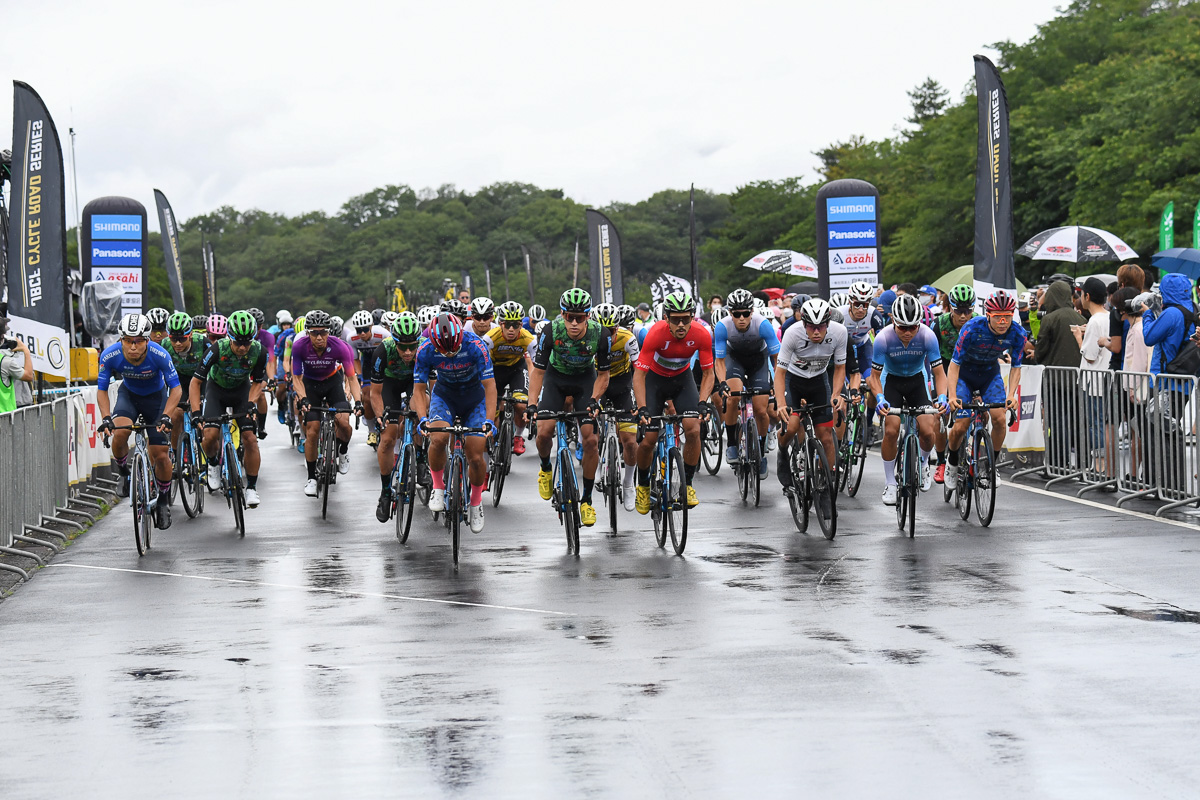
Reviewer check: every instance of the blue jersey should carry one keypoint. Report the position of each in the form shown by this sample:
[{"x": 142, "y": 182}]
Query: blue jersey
[
  {"x": 281, "y": 341},
  {"x": 979, "y": 349},
  {"x": 149, "y": 377},
  {"x": 460, "y": 373},
  {"x": 748, "y": 346},
  {"x": 921, "y": 356}
]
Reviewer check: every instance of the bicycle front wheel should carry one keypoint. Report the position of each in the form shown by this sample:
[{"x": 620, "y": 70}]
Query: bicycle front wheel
[
  {"x": 329, "y": 467},
  {"x": 753, "y": 456},
  {"x": 712, "y": 448},
  {"x": 612, "y": 482},
  {"x": 824, "y": 493},
  {"x": 985, "y": 477},
  {"x": 189, "y": 473},
  {"x": 912, "y": 482},
  {"x": 569, "y": 499},
  {"x": 501, "y": 459},
  {"x": 139, "y": 493},
  {"x": 454, "y": 502},
  {"x": 858, "y": 455},
  {"x": 675, "y": 507},
  {"x": 404, "y": 495}
]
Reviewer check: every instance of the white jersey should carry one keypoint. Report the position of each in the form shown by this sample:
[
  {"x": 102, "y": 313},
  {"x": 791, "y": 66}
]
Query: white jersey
[
  {"x": 367, "y": 346},
  {"x": 809, "y": 359},
  {"x": 857, "y": 331}
]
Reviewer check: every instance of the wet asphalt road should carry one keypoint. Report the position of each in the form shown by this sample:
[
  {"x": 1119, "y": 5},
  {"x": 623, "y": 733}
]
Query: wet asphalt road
[{"x": 1049, "y": 656}]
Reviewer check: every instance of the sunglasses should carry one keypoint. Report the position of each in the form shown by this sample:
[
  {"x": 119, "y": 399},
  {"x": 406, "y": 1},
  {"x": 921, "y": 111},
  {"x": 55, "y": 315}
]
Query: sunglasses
[
  {"x": 135, "y": 340},
  {"x": 317, "y": 332},
  {"x": 187, "y": 337},
  {"x": 672, "y": 320},
  {"x": 860, "y": 305},
  {"x": 740, "y": 314},
  {"x": 820, "y": 327},
  {"x": 481, "y": 317},
  {"x": 405, "y": 347},
  {"x": 575, "y": 317},
  {"x": 908, "y": 328},
  {"x": 510, "y": 324}
]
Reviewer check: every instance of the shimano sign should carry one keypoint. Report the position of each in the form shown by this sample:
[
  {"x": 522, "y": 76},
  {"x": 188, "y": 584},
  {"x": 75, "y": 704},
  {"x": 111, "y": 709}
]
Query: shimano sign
[
  {"x": 850, "y": 209},
  {"x": 852, "y": 234},
  {"x": 116, "y": 226}
]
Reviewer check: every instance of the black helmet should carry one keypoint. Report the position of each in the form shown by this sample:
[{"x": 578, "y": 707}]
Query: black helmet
[{"x": 317, "y": 319}]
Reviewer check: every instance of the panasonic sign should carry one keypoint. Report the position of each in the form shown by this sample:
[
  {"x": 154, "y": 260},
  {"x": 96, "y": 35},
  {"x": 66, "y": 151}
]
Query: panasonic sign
[{"x": 852, "y": 234}]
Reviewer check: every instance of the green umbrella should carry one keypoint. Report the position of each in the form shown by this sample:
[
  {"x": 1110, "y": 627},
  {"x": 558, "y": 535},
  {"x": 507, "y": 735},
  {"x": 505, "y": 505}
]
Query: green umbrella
[{"x": 964, "y": 274}]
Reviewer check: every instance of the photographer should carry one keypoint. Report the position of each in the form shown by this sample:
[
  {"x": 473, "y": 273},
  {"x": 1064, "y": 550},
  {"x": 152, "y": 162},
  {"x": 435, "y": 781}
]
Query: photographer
[{"x": 16, "y": 364}]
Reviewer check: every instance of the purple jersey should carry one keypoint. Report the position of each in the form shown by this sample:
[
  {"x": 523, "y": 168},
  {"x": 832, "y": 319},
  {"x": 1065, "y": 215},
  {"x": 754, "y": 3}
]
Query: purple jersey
[
  {"x": 306, "y": 362},
  {"x": 267, "y": 340}
]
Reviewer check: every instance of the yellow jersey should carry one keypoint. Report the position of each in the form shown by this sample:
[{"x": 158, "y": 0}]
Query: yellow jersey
[
  {"x": 505, "y": 353},
  {"x": 622, "y": 351}
]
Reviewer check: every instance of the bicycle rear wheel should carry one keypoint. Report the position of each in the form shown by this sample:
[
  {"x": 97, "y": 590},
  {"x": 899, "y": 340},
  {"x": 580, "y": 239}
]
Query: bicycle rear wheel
[
  {"x": 404, "y": 495},
  {"x": 711, "y": 443},
  {"x": 984, "y": 487},
  {"x": 824, "y": 493},
  {"x": 753, "y": 456},
  {"x": 912, "y": 483},
  {"x": 962, "y": 489},
  {"x": 675, "y": 508},
  {"x": 454, "y": 502},
  {"x": 501, "y": 459},
  {"x": 569, "y": 499},
  {"x": 656, "y": 491},
  {"x": 189, "y": 489},
  {"x": 858, "y": 457},
  {"x": 139, "y": 493},
  {"x": 612, "y": 481}
]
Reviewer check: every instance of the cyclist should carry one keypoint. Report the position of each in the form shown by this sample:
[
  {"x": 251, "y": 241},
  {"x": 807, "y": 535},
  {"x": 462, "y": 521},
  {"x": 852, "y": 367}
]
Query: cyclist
[
  {"x": 975, "y": 367},
  {"x": 267, "y": 340},
  {"x": 572, "y": 361},
  {"x": 218, "y": 328},
  {"x": 186, "y": 351},
  {"x": 150, "y": 388},
  {"x": 537, "y": 314},
  {"x": 800, "y": 377},
  {"x": 509, "y": 344},
  {"x": 947, "y": 327},
  {"x": 861, "y": 326},
  {"x": 483, "y": 311},
  {"x": 282, "y": 339},
  {"x": 425, "y": 317},
  {"x": 623, "y": 354},
  {"x": 906, "y": 355},
  {"x": 200, "y": 323},
  {"x": 158, "y": 325},
  {"x": 365, "y": 336},
  {"x": 392, "y": 378},
  {"x": 466, "y": 390},
  {"x": 743, "y": 344},
  {"x": 457, "y": 308},
  {"x": 231, "y": 376},
  {"x": 389, "y": 319},
  {"x": 664, "y": 373},
  {"x": 321, "y": 365}
]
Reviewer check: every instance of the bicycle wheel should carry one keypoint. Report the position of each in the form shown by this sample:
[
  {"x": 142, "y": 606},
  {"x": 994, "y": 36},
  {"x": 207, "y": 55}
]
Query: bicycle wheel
[
  {"x": 675, "y": 509},
  {"x": 858, "y": 457},
  {"x": 569, "y": 500},
  {"x": 984, "y": 487},
  {"x": 912, "y": 481},
  {"x": 656, "y": 490},
  {"x": 821, "y": 482},
  {"x": 962, "y": 489},
  {"x": 712, "y": 448},
  {"x": 739, "y": 469},
  {"x": 454, "y": 502},
  {"x": 901, "y": 473},
  {"x": 404, "y": 495},
  {"x": 139, "y": 493},
  {"x": 612, "y": 481},
  {"x": 188, "y": 469},
  {"x": 501, "y": 461},
  {"x": 753, "y": 456},
  {"x": 329, "y": 467}
]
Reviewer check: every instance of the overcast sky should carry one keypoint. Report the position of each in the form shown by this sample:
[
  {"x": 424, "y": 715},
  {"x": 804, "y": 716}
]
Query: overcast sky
[{"x": 294, "y": 107}]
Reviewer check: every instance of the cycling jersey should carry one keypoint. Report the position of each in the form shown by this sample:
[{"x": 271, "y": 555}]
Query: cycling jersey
[
  {"x": 229, "y": 370},
  {"x": 751, "y": 346},
  {"x": 308, "y": 363},
  {"x": 665, "y": 355},
  {"x": 267, "y": 340},
  {"x": 387, "y": 363},
  {"x": 808, "y": 359},
  {"x": 282, "y": 340},
  {"x": 920, "y": 357},
  {"x": 858, "y": 330},
  {"x": 506, "y": 353},
  {"x": 623, "y": 347},
  {"x": 572, "y": 356},
  {"x": 364, "y": 348},
  {"x": 461, "y": 373},
  {"x": 155, "y": 371},
  {"x": 947, "y": 334},
  {"x": 979, "y": 349},
  {"x": 187, "y": 361}
]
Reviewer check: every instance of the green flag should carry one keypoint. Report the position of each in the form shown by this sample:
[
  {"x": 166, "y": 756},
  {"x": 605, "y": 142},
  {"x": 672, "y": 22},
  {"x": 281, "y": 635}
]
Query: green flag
[
  {"x": 1166, "y": 230},
  {"x": 1196, "y": 228}
]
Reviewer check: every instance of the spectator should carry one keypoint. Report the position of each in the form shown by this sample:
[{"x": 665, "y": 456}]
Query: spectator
[
  {"x": 1118, "y": 327},
  {"x": 1136, "y": 355},
  {"x": 1092, "y": 341},
  {"x": 464, "y": 296},
  {"x": 714, "y": 302},
  {"x": 1133, "y": 276},
  {"x": 907, "y": 288},
  {"x": 16, "y": 364},
  {"x": 1170, "y": 328},
  {"x": 1056, "y": 345},
  {"x": 1166, "y": 325},
  {"x": 885, "y": 303}
]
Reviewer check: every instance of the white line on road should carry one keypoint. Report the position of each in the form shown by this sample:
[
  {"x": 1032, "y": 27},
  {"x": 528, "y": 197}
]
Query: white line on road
[
  {"x": 1094, "y": 504},
  {"x": 326, "y": 590}
]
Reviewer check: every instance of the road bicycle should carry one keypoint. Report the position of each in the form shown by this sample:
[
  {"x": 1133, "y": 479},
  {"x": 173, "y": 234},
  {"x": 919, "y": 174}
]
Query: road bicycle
[
  {"x": 612, "y": 461},
  {"x": 908, "y": 465},
  {"x": 403, "y": 480},
  {"x": 811, "y": 479},
  {"x": 712, "y": 439},
  {"x": 749, "y": 445},
  {"x": 852, "y": 449},
  {"x": 233, "y": 472},
  {"x": 668, "y": 483},
  {"x": 458, "y": 482},
  {"x": 190, "y": 468},
  {"x": 565, "y": 493},
  {"x": 143, "y": 489},
  {"x": 501, "y": 460},
  {"x": 976, "y": 477},
  {"x": 327, "y": 454}
]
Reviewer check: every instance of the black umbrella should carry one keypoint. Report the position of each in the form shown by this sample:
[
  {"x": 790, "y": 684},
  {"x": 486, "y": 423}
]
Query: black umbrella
[{"x": 804, "y": 287}]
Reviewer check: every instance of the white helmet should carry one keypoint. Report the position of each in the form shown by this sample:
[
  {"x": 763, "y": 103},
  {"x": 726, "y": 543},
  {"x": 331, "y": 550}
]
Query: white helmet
[
  {"x": 907, "y": 311},
  {"x": 283, "y": 316},
  {"x": 861, "y": 292},
  {"x": 389, "y": 318},
  {"x": 719, "y": 313},
  {"x": 336, "y": 324},
  {"x": 425, "y": 315},
  {"x": 482, "y": 307},
  {"x": 815, "y": 311},
  {"x": 658, "y": 311},
  {"x": 133, "y": 325},
  {"x": 362, "y": 319},
  {"x": 540, "y": 326},
  {"x": 536, "y": 312},
  {"x": 839, "y": 299}
]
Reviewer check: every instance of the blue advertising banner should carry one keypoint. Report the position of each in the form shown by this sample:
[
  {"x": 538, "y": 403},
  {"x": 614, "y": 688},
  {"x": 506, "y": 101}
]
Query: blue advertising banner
[
  {"x": 847, "y": 235},
  {"x": 113, "y": 253},
  {"x": 852, "y": 234},
  {"x": 116, "y": 226},
  {"x": 850, "y": 209}
]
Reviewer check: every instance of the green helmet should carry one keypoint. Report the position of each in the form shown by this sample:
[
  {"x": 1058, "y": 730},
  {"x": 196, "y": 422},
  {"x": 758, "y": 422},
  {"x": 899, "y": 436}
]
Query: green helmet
[
  {"x": 606, "y": 315},
  {"x": 679, "y": 302},
  {"x": 510, "y": 312},
  {"x": 179, "y": 323},
  {"x": 962, "y": 296},
  {"x": 575, "y": 300},
  {"x": 406, "y": 328},
  {"x": 242, "y": 327}
]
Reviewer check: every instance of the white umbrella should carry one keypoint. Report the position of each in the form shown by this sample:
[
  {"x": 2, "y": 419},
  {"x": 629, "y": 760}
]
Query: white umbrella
[
  {"x": 1076, "y": 243},
  {"x": 788, "y": 262}
]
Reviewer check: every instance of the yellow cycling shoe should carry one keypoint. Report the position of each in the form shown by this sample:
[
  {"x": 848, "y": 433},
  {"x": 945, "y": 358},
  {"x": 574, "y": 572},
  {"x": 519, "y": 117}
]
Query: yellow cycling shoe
[
  {"x": 545, "y": 483},
  {"x": 692, "y": 501},
  {"x": 642, "y": 500},
  {"x": 587, "y": 515}
]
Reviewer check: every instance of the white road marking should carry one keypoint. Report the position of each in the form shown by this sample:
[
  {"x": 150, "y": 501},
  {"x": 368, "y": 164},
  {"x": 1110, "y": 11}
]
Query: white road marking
[
  {"x": 346, "y": 592},
  {"x": 1094, "y": 504}
]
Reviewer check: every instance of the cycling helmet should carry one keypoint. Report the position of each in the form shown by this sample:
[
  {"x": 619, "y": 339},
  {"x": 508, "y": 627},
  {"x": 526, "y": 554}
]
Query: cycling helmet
[
  {"x": 839, "y": 299},
  {"x": 447, "y": 333},
  {"x": 962, "y": 297},
  {"x": 739, "y": 299},
  {"x": 260, "y": 318},
  {"x": 759, "y": 307},
  {"x": 299, "y": 326},
  {"x": 317, "y": 319},
  {"x": 376, "y": 316},
  {"x": 658, "y": 311},
  {"x": 425, "y": 316},
  {"x": 606, "y": 315},
  {"x": 283, "y": 316},
  {"x": 679, "y": 302},
  {"x": 218, "y": 325},
  {"x": 456, "y": 307},
  {"x": 719, "y": 314},
  {"x": 626, "y": 315},
  {"x": 1000, "y": 302},
  {"x": 242, "y": 327},
  {"x": 482, "y": 307},
  {"x": 406, "y": 328},
  {"x": 815, "y": 312},
  {"x": 797, "y": 302},
  {"x": 389, "y": 319},
  {"x": 158, "y": 318},
  {"x": 179, "y": 323},
  {"x": 510, "y": 312},
  {"x": 575, "y": 301},
  {"x": 861, "y": 292},
  {"x": 361, "y": 319},
  {"x": 199, "y": 322},
  {"x": 133, "y": 325},
  {"x": 927, "y": 316},
  {"x": 906, "y": 311},
  {"x": 336, "y": 324},
  {"x": 536, "y": 313}
]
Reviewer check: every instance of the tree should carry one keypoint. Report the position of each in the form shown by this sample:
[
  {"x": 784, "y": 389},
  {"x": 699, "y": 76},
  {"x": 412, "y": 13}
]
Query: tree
[{"x": 929, "y": 99}]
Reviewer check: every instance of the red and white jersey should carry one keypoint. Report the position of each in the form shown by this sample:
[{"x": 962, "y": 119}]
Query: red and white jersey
[
  {"x": 665, "y": 355},
  {"x": 365, "y": 346}
]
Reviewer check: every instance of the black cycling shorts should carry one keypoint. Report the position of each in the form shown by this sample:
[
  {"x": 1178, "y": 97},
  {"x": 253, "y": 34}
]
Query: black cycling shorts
[
  {"x": 620, "y": 392},
  {"x": 217, "y": 398},
  {"x": 761, "y": 377},
  {"x": 906, "y": 390},
  {"x": 680, "y": 388},
  {"x": 329, "y": 393},
  {"x": 513, "y": 378},
  {"x": 813, "y": 390},
  {"x": 393, "y": 393},
  {"x": 557, "y": 387}
]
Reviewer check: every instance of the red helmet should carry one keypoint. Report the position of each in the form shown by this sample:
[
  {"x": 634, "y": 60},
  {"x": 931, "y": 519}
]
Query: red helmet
[
  {"x": 1000, "y": 302},
  {"x": 446, "y": 332}
]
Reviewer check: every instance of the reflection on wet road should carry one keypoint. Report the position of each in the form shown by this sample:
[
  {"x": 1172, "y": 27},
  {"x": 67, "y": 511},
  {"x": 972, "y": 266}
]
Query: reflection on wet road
[{"x": 1046, "y": 656}]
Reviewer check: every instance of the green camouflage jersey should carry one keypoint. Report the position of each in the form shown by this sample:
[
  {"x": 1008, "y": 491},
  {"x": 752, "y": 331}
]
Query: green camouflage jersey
[
  {"x": 387, "y": 363},
  {"x": 230, "y": 370},
  {"x": 188, "y": 361},
  {"x": 572, "y": 356}
]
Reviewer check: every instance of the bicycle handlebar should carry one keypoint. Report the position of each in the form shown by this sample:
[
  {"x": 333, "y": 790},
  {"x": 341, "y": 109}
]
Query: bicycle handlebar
[
  {"x": 563, "y": 415},
  {"x": 676, "y": 417},
  {"x": 916, "y": 411},
  {"x": 750, "y": 392},
  {"x": 456, "y": 428}
]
